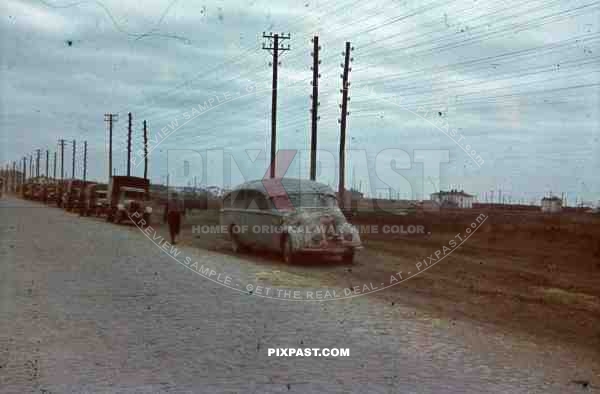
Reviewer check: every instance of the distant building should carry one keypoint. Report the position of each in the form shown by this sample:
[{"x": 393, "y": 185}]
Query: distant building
[
  {"x": 551, "y": 204},
  {"x": 453, "y": 198}
]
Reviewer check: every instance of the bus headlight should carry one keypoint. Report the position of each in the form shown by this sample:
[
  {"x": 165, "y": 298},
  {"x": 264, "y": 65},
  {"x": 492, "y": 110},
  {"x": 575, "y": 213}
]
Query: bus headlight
[{"x": 148, "y": 209}]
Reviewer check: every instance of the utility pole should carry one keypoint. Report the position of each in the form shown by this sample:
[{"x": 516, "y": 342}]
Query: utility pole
[
  {"x": 145, "y": 150},
  {"x": 30, "y": 166},
  {"x": 129, "y": 145},
  {"x": 344, "y": 105},
  {"x": 54, "y": 178},
  {"x": 14, "y": 176},
  {"x": 315, "y": 105},
  {"x": 275, "y": 48},
  {"x": 110, "y": 118},
  {"x": 62, "y": 158},
  {"x": 37, "y": 163},
  {"x": 47, "y": 163},
  {"x": 24, "y": 179},
  {"x": 84, "y": 160},
  {"x": 74, "y": 151}
]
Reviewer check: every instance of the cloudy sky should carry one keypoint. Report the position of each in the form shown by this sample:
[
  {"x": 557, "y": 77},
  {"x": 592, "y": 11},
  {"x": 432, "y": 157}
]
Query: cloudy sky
[{"x": 500, "y": 95}]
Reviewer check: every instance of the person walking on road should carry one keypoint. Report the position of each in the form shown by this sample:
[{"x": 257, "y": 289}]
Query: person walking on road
[{"x": 173, "y": 212}]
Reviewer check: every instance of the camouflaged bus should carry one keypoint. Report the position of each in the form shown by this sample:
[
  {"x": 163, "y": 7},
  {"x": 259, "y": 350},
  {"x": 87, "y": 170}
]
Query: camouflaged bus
[{"x": 291, "y": 216}]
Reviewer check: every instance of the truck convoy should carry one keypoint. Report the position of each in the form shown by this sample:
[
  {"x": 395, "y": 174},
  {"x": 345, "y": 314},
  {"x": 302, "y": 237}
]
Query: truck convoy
[
  {"x": 128, "y": 197},
  {"x": 125, "y": 198}
]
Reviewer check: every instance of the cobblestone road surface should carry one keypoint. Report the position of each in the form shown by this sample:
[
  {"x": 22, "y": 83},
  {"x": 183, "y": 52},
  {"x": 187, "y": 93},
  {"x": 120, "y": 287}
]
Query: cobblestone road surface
[{"x": 87, "y": 306}]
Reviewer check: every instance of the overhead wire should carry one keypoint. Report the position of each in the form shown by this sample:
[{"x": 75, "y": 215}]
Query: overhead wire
[{"x": 303, "y": 115}]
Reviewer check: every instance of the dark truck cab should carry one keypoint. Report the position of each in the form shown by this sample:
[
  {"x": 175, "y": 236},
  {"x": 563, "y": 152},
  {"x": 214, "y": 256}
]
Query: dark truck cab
[
  {"x": 71, "y": 197},
  {"x": 95, "y": 200},
  {"x": 49, "y": 192},
  {"x": 129, "y": 197},
  {"x": 27, "y": 191},
  {"x": 37, "y": 193}
]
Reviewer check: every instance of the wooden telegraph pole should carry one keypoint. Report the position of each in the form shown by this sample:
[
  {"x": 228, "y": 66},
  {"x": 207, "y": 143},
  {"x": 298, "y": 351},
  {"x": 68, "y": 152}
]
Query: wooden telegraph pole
[
  {"x": 315, "y": 105},
  {"x": 344, "y": 105},
  {"x": 84, "y": 160},
  {"x": 14, "y": 176},
  {"x": 129, "y": 144},
  {"x": 61, "y": 142},
  {"x": 275, "y": 48},
  {"x": 74, "y": 152},
  {"x": 145, "y": 150},
  {"x": 37, "y": 162},
  {"x": 110, "y": 118}
]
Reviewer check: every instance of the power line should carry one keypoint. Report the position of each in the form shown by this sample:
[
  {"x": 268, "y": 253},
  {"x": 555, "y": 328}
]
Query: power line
[
  {"x": 478, "y": 61},
  {"x": 504, "y": 30},
  {"x": 544, "y": 69}
]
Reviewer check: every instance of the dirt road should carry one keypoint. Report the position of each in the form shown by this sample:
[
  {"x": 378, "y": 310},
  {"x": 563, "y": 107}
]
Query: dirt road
[{"x": 87, "y": 306}]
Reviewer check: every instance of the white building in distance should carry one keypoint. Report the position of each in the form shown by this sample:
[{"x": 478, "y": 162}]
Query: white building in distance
[
  {"x": 453, "y": 198},
  {"x": 551, "y": 204}
]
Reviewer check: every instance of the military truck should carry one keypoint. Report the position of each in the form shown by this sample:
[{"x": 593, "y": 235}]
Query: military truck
[
  {"x": 95, "y": 200},
  {"x": 71, "y": 196},
  {"x": 60, "y": 188},
  {"x": 37, "y": 193},
  {"x": 27, "y": 190},
  {"x": 129, "y": 197},
  {"x": 50, "y": 191}
]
